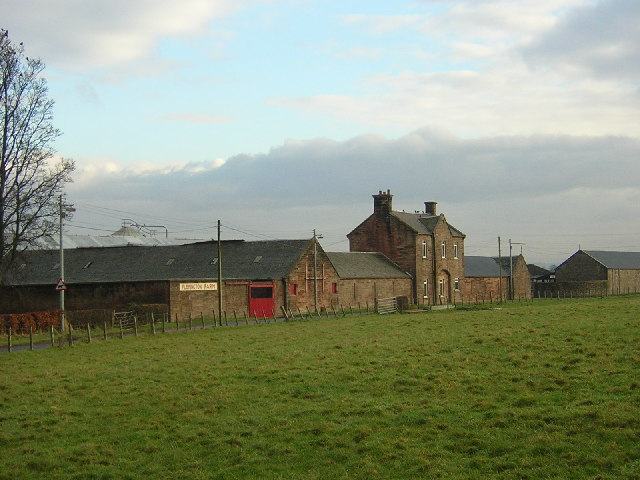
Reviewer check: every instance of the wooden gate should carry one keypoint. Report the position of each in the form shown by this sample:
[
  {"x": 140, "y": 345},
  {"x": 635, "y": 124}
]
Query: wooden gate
[{"x": 261, "y": 300}]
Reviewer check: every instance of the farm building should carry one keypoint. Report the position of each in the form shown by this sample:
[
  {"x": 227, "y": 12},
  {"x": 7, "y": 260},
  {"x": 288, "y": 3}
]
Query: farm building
[
  {"x": 368, "y": 275},
  {"x": 258, "y": 278},
  {"x": 423, "y": 244},
  {"x": 591, "y": 272},
  {"x": 488, "y": 279}
]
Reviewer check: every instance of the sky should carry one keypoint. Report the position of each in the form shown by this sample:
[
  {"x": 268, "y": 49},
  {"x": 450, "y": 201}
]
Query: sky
[{"x": 281, "y": 117}]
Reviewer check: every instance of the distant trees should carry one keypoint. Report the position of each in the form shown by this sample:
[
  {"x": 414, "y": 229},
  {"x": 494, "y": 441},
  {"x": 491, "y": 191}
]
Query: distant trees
[{"x": 30, "y": 177}]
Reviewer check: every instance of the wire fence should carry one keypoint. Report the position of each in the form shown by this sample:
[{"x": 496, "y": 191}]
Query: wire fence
[{"x": 89, "y": 326}]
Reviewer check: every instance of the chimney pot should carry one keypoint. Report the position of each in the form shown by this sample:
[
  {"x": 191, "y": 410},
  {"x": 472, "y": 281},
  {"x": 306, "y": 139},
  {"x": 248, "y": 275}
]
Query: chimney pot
[{"x": 430, "y": 208}]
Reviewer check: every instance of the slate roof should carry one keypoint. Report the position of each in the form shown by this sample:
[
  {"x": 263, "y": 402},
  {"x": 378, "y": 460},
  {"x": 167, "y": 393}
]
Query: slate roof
[
  {"x": 537, "y": 271},
  {"x": 365, "y": 265},
  {"x": 241, "y": 260},
  {"x": 616, "y": 260},
  {"x": 423, "y": 223},
  {"x": 475, "y": 266}
]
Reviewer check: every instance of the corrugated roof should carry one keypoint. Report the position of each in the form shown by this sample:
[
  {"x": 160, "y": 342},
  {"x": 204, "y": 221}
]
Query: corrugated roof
[
  {"x": 365, "y": 265},
  {"x": 181, "y": 262},
  {"x": 616, "y": 260}
]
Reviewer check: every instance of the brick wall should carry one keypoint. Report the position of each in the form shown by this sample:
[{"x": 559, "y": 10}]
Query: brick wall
[
  {"x": 363, "y": 292},
  {"x": 299, "y": 288},
  {"x": 389, "y": 236},
  {"x": 483, "y": 289}
]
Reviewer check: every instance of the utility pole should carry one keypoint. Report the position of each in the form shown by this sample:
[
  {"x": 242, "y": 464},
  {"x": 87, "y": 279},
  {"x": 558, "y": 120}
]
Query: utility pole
[
  {"x": 500, "y": 268},
  {"x": 315, "y": 269},
  {"x": 61, "y": 286},
  {"x": 219, "y": 277}
]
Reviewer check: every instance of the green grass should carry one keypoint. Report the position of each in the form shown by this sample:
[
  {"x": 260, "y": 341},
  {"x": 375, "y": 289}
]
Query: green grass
[{"x": 545, "y": 390}]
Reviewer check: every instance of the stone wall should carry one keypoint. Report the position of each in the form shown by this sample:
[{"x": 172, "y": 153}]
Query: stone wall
[{"x": 363, "y": 292}]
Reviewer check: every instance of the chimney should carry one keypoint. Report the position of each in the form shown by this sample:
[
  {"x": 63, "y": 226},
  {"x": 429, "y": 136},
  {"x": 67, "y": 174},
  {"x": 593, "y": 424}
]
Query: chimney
[
  {"x": 430, "y": 208},
  {"x": 382, "y": 203}
]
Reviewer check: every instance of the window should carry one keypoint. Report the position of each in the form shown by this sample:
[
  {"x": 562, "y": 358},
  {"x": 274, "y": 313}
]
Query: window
[
  {"x": 424, "y": 249},
  {"x": 334, "y": 287},
  {"x": 441, "y": 287},
  {"x": 455, "y": 249},
  {"x": 456, "y": 284},
  {"x": 444, "y": 249},
  {"x": 425, "y": 294},
  {"x": 293, "y": 289},
  {"x": 261, "y": 292}
]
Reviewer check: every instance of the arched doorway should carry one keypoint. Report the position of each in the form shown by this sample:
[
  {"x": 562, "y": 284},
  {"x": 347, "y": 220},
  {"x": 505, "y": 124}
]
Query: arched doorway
[{"x": 444, "y": 287}]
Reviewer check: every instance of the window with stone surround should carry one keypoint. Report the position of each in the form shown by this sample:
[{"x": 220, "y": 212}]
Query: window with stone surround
[
  {"x": 424, "y": 249},
  {"x": 455, "y": 249},
  {"x": 444, "y": 249}
]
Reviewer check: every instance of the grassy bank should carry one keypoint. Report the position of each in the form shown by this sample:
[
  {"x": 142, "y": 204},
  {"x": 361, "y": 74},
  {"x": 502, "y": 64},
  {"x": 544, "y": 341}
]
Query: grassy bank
[{"x": 542, "y": 390}]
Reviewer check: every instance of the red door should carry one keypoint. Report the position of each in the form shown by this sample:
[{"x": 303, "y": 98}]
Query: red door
[{"x": 261, "y": 301}]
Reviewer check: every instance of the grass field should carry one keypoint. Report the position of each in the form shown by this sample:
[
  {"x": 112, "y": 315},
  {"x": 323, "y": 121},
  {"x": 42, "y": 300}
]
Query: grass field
[{"x": 545, "y": 390}]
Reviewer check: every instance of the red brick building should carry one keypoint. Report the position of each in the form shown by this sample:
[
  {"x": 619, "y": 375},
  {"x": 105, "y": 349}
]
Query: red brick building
[
  {"x": 488, "y": 279},
  {"x": 258, "y": 279},
  {"x": 423, "y": 244}
]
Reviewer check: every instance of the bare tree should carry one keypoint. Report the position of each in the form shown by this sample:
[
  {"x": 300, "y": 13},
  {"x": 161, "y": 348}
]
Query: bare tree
[{"x": 30, "y": 177}]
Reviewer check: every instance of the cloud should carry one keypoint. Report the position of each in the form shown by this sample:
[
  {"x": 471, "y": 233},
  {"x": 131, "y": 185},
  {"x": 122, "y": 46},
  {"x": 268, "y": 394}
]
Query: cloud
[
  {"x": 80, "y": 35},
  {"x": 523, "y": 186},
  {"x": 602, "y": 39}
]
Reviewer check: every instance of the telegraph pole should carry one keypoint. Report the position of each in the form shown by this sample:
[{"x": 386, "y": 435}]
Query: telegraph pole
[
  {"x": 500, "y": 268},
  {"x": 61, "y": 287},
  {"x": 315, "y": 271},
  {"x": 219, "y": 277}
]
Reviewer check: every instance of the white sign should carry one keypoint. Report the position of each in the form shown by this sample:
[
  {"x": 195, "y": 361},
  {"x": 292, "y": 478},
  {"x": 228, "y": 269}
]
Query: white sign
[
  {"x": 61, "y": 285},
  {"x": 197, "y": 287}
]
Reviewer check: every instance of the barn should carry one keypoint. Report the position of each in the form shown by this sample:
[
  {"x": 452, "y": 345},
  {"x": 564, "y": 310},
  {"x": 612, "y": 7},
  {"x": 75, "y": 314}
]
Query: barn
[
  {"x": 259, "y": 278},
  {"x": 589, "y": 272}
]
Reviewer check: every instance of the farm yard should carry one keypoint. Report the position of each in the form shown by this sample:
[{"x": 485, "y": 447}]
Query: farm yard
[{"x": 549, "y": 389}]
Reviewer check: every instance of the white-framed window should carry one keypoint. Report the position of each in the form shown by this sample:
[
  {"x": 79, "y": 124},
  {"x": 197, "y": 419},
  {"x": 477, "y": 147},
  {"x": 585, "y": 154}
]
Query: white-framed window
[
  {"x": 444, "y": 249},
  {"x": 455, "y": 249},
  {"x": 441, "y": 287},
  {"x": 424, "y": 249},
  {"x": 425, "y": 292},
  {"x": 456, "y": 284}
]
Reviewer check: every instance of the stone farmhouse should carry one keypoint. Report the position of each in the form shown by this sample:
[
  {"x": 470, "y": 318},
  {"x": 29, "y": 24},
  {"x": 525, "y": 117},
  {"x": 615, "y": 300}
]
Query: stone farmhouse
[{"x": 590, "y": 272}]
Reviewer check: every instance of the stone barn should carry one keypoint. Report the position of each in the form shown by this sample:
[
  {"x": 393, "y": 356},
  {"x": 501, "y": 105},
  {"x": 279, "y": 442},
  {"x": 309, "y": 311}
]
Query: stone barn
[
  {"x": 369, "y": 275},
  {"x": 487, "y": 279},
  {"x": 259, "y": 278},
  {"x": 597, "y": 272}
]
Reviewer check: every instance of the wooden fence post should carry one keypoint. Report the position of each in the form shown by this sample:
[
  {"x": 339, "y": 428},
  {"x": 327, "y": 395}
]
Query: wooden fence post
[
  {"x": 70, "y": 335},
  {"x": 105, "y": 330},
  {"x": 30, "y": 338},
  {"x": 9, "y": 339},
  {"x": 153, "y": 324},
  {"x": 202, "y": 319},
  {"x": 51, "y": 335},
  {"x": 88, "y": 332}
]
